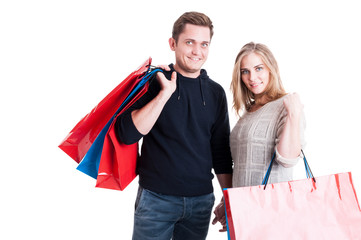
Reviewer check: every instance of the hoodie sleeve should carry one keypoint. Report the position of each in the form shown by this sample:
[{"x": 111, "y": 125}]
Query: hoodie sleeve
[
  {"x": 126, "y": 130},
  {"x": 222, "y": 160},
  {"x": 124, "y": 125}
]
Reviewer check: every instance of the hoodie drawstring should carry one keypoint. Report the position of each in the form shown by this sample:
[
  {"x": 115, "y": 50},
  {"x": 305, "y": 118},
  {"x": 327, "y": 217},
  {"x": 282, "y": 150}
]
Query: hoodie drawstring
[
  {"x": 200, "y": 85},
  {"x": 202, "y": 95},
  {"x": 178, "y": 87}
]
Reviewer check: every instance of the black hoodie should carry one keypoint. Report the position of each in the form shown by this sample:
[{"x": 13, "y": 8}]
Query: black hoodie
[{"x": 190, "y": 137}]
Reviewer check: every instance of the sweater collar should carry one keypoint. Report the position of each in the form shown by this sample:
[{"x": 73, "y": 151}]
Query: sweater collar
[{"x": 201, "y": 78}]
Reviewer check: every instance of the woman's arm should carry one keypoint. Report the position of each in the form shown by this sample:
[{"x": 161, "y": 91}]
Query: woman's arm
[{"x": 289, "y": 145}]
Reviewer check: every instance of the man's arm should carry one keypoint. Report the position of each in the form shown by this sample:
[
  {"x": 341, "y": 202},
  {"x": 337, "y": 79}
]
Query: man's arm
[
  {"x": 225, "y": 180},
  {"x": 145, "y": 118}
]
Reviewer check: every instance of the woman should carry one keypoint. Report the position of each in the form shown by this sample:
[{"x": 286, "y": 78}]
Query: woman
[{"x": 271, "y": 121}]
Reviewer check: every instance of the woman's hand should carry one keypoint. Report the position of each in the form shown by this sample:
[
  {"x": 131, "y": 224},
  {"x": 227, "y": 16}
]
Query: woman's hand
[{"x": 293, "y": 105}]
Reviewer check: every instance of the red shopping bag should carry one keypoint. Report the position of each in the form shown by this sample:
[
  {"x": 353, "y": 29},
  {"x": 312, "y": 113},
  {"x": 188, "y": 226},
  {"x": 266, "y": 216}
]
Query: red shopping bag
[
  {"x": 78, "y": 141},
  {"x": 91, "y": 161},
  {"x": 304, "y": 209},
  {"x": 118, "y": 161},
  {"x": 117, "y": 164}
]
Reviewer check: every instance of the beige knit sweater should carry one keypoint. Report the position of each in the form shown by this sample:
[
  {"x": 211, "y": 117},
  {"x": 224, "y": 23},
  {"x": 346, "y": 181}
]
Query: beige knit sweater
[{"x": 253, "y": 141}]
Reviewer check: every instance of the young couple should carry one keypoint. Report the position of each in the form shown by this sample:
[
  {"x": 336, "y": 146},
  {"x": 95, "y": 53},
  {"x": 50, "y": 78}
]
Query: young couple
[{"x": 183, "y": 120}]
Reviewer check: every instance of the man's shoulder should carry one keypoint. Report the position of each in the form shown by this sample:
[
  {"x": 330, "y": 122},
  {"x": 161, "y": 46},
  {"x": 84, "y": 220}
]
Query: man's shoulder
[{"x": 215, "y": 86}]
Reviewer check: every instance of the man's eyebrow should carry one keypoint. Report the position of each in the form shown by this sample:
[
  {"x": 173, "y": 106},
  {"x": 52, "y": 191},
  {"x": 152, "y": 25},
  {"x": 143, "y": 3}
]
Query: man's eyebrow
[{"x": 193, "y": 40}]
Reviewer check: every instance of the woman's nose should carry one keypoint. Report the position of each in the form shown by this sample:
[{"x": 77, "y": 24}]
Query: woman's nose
[{"x": 252, "y": 75}]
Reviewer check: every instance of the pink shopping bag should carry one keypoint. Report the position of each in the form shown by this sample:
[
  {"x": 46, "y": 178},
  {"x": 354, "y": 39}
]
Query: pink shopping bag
[{"x": 304, "y": 209}]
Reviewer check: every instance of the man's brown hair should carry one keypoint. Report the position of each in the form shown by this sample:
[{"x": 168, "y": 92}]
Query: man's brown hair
[{"x": 195, "y": 18}]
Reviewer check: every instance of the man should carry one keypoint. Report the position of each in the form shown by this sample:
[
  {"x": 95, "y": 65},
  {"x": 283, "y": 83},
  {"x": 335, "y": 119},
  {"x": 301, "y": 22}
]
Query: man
[{"x": 185, "y": 129}]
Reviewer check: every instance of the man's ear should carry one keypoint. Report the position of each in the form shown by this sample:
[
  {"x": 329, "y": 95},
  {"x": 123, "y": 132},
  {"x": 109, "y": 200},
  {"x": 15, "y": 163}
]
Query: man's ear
[{"x": 172, "y": 43}]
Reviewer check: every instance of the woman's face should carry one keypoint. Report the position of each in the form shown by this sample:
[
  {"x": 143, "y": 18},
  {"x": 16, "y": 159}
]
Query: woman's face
[{"x": 254, "y": 73}]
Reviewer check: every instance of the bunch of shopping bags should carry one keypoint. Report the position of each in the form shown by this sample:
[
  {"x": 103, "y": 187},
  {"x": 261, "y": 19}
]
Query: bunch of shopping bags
[
  {"x": 314, "y": 208},
  {"x": 93, "y": 142}
]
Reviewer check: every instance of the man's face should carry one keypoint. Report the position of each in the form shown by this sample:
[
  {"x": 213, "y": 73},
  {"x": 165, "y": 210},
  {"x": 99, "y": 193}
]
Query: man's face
[{"x": 191, "y": 50}]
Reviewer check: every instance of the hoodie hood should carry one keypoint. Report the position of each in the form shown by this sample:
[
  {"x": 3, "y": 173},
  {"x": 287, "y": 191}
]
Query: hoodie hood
[{"x": 203, "y": 76}]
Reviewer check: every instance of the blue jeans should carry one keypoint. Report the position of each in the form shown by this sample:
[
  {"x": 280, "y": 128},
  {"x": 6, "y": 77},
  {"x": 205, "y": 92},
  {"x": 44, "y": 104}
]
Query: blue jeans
[{"x": 164, "y": 217}]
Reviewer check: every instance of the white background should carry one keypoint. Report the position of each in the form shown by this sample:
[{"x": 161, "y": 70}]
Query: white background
[{"x": 58, "y": 59}]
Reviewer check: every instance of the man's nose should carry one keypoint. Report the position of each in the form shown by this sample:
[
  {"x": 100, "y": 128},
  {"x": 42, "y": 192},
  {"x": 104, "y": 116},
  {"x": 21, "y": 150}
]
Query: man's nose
[{"x": 196, "y": 49}]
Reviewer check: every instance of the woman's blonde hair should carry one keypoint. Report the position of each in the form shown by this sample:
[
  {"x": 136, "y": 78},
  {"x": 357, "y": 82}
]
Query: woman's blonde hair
[{"x": 244, "y": 98}]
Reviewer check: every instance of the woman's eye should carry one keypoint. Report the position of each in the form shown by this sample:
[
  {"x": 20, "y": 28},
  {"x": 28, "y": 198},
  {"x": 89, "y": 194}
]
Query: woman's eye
[
  {"x": 243, "y": 72},
  {"x": 259, "y": 69}
]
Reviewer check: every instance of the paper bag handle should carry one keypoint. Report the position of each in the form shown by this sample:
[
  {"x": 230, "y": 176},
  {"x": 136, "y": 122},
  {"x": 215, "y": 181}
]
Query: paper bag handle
[{"x": 309, "y": 173}]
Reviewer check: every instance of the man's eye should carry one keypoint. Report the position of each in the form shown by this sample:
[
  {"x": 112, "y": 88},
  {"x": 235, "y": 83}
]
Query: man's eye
[
  {"x": 189, "y": 42},
  {"x": 205, "y": 45}
]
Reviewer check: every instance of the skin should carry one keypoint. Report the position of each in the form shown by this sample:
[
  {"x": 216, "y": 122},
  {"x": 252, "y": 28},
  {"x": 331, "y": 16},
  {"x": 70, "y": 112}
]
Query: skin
[
  {"x": 290, "y": 144},
  {"x": 225, "y": 181},
  {"x": 255, "y": 75},
  {"x": 191, "y": 52}
]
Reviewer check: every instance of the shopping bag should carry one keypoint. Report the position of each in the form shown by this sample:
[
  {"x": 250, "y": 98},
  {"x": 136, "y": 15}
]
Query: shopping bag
[
  {"x": 314, "y": 208},
  {"x": 118, "y": 163},
  {"x": 77, "y": 143},
  {"x": 90, "y": 163},
  {"x": 118, "y": 160}
]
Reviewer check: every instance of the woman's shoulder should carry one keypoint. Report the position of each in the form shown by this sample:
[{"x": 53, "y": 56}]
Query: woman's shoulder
[{"x": 276, "y": 104}]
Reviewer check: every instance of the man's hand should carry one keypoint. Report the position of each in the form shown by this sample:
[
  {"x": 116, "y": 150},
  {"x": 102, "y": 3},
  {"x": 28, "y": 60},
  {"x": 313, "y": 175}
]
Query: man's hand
[
  {"x": 220, "y": 216},
  {"x": 167, "y": 86},
  {"x": 145, "y": 117}
]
